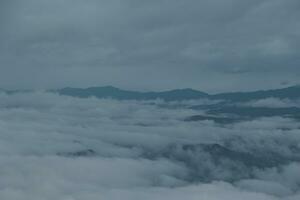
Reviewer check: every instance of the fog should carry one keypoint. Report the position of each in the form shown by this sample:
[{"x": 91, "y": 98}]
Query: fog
[{"x": 59, "y": 147}]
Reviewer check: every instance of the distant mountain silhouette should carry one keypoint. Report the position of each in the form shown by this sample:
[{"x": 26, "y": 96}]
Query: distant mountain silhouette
[
  {"x": 115, "y": 93},
  {"x": 178, "y": 94},
  {"x": 171, "y": 95},
  {"x": 289, "y": 92}
]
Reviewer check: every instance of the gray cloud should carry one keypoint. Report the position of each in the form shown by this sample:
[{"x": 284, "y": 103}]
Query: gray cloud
[
  {"x": 273, "y": 103},
  {"x": 157, "y": 44},
  {"x": 58, "y": 147}
]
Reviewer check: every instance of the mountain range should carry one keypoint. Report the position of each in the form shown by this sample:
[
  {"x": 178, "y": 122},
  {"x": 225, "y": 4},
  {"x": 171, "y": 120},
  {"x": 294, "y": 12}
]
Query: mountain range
[
  {"x": 292, "y": 92},
  {"x": 179, "y": 94}
]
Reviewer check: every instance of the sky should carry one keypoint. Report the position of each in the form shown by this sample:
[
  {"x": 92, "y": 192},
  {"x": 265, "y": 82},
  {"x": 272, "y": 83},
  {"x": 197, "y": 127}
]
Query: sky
[{"x": 209, "y": 45}]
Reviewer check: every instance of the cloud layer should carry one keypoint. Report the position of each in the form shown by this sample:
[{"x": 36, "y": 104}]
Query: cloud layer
[{"x": 57, "y": 147}]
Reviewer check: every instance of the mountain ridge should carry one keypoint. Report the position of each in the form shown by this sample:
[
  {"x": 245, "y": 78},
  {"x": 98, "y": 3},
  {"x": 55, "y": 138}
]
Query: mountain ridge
[
  {"x": 292, "y": 92},
  {"x": 113, "y": 92}
]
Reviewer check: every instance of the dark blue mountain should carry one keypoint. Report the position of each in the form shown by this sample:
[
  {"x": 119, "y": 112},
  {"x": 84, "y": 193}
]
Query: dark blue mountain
[
  {"x": 178, "y": 94},
  {"x": 171, "y": 95},
  {"x": 115, "y": 93},
  {"x": 289, "y": 93}
]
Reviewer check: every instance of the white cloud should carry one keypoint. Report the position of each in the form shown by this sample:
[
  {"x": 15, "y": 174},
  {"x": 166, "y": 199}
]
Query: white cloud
[
  {"x": 267, "y": 187},
  {"x": 274, "y": 103},
  {"x": 138, "y": 151}
]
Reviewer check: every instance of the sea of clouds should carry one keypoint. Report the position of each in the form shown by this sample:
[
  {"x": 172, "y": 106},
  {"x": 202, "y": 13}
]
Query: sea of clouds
[{"x": 65, "y": 148}]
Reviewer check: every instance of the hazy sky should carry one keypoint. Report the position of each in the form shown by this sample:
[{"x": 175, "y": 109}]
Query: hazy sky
[{"x": 211, "y": 45}]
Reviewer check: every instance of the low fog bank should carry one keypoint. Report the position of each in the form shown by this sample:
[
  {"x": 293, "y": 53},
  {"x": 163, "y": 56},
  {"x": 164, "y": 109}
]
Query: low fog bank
[{"x": 60, "y": 147}]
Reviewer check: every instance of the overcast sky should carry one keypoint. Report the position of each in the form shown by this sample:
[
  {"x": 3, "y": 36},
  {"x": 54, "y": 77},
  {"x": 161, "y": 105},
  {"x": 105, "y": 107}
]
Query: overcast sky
[{"x": 210, "y": 45}]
